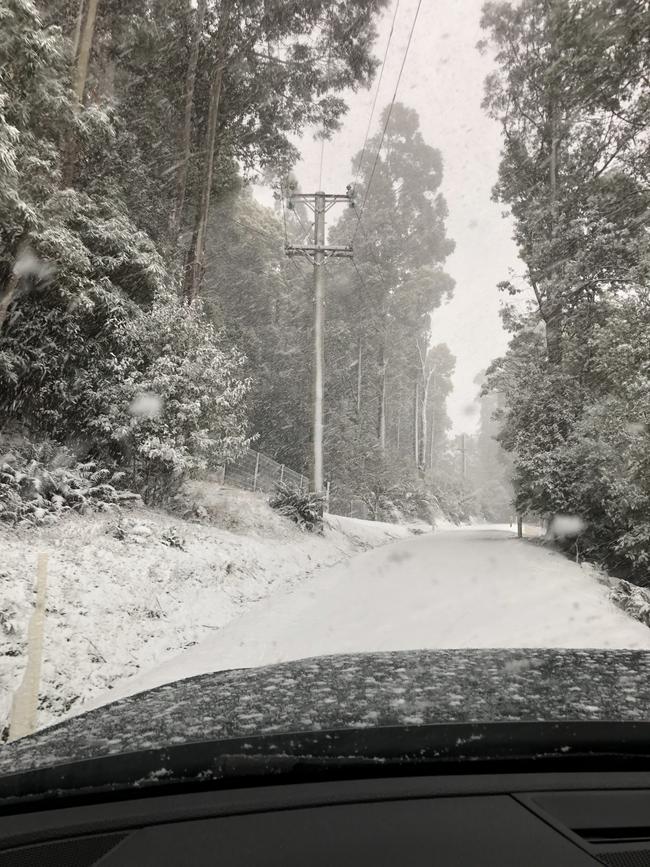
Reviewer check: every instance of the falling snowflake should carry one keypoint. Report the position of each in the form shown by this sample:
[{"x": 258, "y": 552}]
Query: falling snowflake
[
  {"x": 28, "y": 264},
  {"x": 566, "y": 526},
  {"x": 146, "y": 404}
]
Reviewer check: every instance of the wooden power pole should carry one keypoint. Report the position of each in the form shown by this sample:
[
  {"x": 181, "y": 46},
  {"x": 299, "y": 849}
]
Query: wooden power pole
[{"x": 318, "y": 253}]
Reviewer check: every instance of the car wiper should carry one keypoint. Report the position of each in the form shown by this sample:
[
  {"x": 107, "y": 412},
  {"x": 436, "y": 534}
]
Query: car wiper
[{"x": 343, "y": 754}]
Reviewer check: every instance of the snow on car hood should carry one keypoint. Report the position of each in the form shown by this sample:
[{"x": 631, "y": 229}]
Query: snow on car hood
[{"x": 353, "y": 691}]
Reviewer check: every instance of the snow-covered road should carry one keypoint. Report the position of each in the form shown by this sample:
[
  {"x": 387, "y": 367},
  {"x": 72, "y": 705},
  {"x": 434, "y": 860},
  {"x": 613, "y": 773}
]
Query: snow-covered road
[{"x": 452, "y": 589}]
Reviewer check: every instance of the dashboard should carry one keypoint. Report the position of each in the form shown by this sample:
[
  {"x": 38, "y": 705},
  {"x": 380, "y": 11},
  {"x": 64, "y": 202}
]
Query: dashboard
[{"x": 509, "y": 820}]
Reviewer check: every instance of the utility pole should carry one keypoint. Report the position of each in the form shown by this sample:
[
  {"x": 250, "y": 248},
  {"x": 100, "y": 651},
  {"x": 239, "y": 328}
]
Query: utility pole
[{"x": 318, "y": 253}]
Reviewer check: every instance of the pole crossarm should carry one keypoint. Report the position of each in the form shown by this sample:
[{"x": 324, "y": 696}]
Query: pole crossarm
[
  {"x": 310, "y": 251},
  {"x": 328, "y": 200},
  {"x": 327, "y": 197}
]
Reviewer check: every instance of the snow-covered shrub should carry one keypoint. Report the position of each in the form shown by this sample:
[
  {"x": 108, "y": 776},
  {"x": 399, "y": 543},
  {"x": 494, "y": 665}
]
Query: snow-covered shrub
[
  {"x": 635, "y": 601},
  {"x": 450, "y": 498},
  {"x": 176, "y": 408},
  {"x": 173, "y": 538},
  {"x": 393, "y": 491},
  {"x": 384, "y": 481},
  {"x": 634, "y": 545},
  {"x": 40, "y": 483},
  {"x": 304, "y": 508},
  {"x": 102, "y": 356},
  {"x": 416, "y": 503},
  {"x": 65, "y": 331}
]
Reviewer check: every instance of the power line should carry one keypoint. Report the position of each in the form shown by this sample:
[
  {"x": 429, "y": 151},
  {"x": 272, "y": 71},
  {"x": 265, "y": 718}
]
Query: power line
[
  {"x": 360, "y": 276},
  {"x": 263, "y": 233},
  {"x": 364, "y": 297},
  {"x": 297, "y": 266},
  {"x": 361, "y": 226},
  {"x": 374, "y": 102},
  {"x": 390, "y": 109},
  {"x": 371, "y": 246}
]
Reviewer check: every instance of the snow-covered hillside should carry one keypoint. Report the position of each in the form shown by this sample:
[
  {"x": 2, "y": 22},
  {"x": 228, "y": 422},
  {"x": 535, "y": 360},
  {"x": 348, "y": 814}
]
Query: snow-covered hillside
[{"x": 127, "y": 591}]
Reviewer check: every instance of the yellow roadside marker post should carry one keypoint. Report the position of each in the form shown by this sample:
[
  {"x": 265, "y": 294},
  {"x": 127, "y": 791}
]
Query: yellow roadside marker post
[{"x": 24, "y": 708}]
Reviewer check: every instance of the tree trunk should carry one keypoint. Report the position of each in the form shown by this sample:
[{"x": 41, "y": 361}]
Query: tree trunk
[
  {"x": 416, "y": 426},
  {"x": 82, "y": 59},
  {"x": 196, "y": 263},
  {"x": 432, "y": 436},
  {"x": 359, "y": 359},
  {"x": 77, "y": 30},
  {"x": 425, "y": 402},
  {"x": 381, "y": 415},
  {"x": 186, "y": 136},
  {"x": 82, "y": 44},
  {"x": 423, "y": 415}
]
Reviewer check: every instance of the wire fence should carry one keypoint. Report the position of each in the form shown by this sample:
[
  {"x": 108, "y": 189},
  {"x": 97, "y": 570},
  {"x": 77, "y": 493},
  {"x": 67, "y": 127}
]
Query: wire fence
[
  {"x": 359, "y": 509},
  {"x": 254, "y": 471}
]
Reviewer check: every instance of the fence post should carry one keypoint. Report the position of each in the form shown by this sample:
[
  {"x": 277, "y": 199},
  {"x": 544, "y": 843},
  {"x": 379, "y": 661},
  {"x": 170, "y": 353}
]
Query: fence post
[
  {"x": 327, "y": 498},
  {"x": 281, "y": 473},
  {"x": 257, "y": 466},
  {"x": 520, "y": 526}
]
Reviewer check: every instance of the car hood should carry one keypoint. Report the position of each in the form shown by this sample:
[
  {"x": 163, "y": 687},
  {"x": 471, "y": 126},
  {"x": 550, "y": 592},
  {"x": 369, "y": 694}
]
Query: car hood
[{"x": 353, "y": 692}]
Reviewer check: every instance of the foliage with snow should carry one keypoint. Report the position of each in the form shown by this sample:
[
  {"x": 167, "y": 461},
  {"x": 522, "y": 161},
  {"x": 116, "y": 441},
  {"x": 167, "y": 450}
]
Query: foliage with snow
[{"x": 570, "y": 90}]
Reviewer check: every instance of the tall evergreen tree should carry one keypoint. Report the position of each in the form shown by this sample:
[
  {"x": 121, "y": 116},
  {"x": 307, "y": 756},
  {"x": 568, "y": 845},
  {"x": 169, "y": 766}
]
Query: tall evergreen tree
[{"x": 398, "y": 226}]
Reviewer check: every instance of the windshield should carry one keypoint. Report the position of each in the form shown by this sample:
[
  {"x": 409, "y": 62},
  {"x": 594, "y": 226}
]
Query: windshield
[{"x": 324, "y": 332}]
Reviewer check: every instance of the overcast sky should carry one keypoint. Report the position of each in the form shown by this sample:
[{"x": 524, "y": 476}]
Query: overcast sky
[{"x": 443, "y": 80}]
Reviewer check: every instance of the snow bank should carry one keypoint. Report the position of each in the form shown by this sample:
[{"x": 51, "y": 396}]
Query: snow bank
[
  {"x": 126, "y": 592},
  {"x": 630, "y": 598}
]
